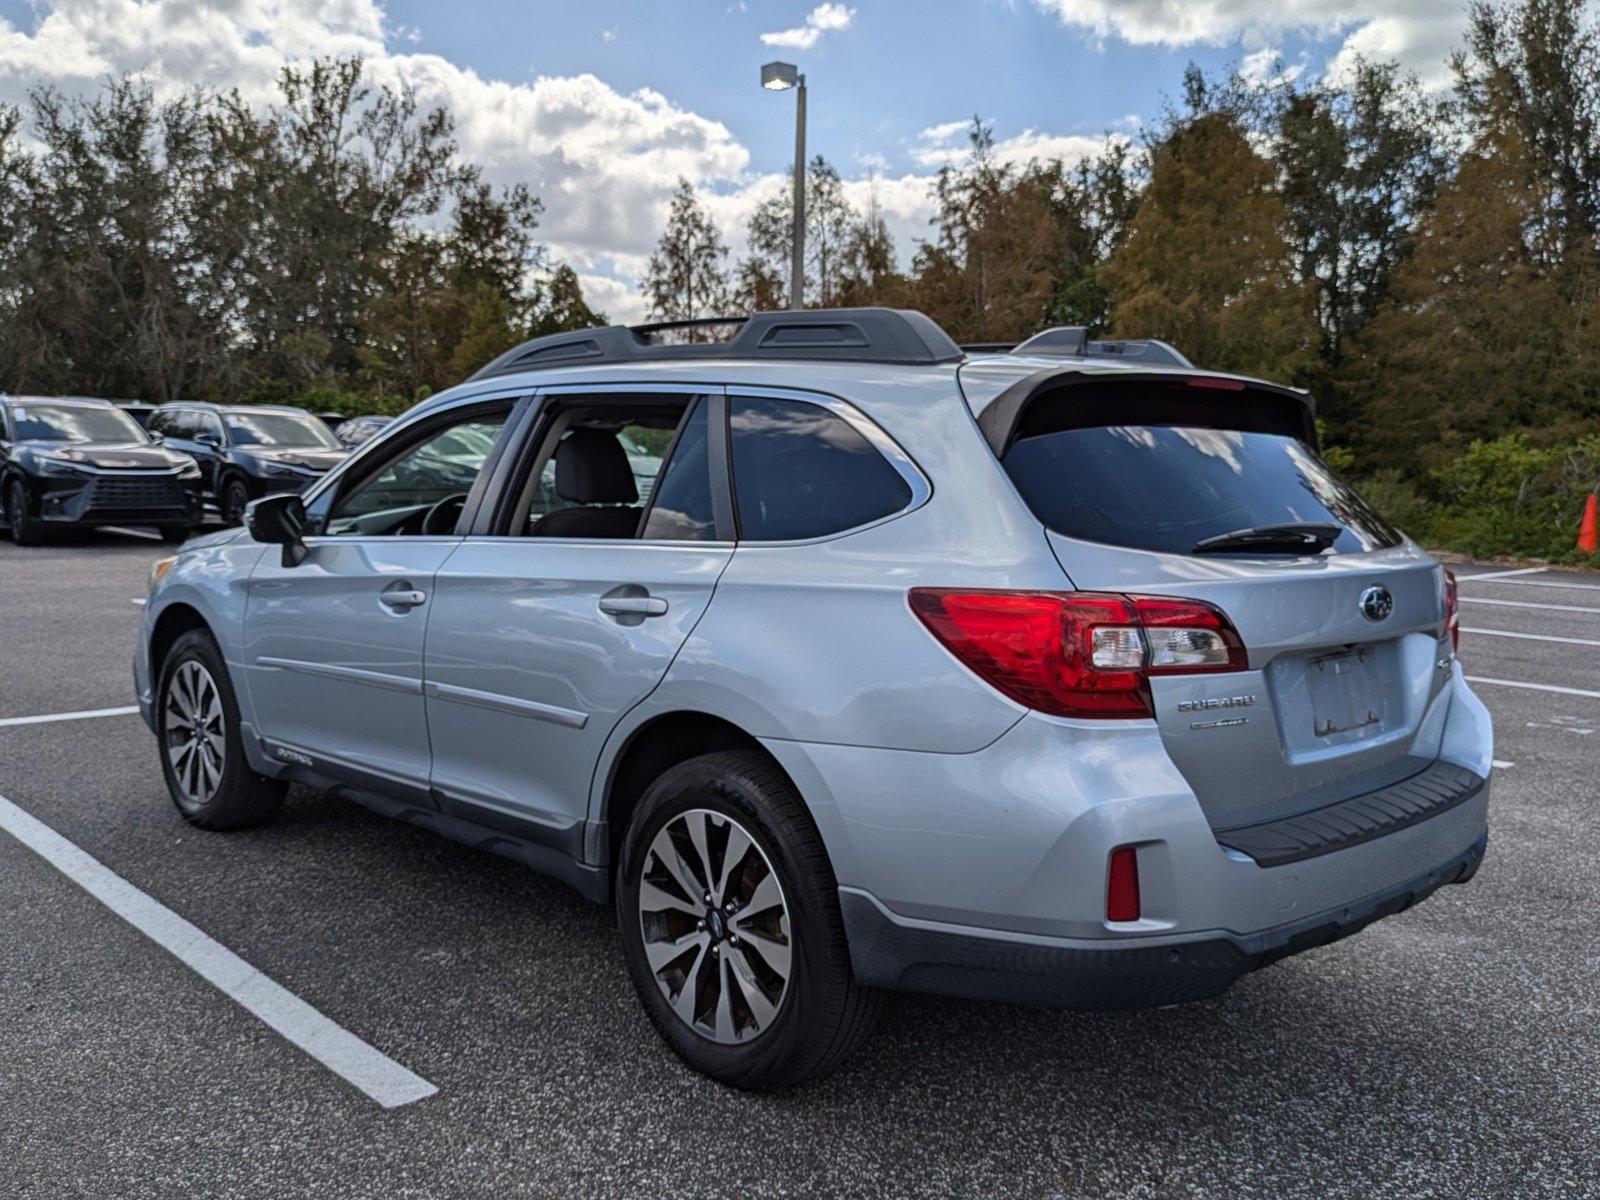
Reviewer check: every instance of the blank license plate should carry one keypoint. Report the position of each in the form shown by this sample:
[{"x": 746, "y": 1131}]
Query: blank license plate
[{"x": 1346, "y": 694}]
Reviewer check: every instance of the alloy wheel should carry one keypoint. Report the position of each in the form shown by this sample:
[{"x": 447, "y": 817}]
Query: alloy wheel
[
  {"x": 716, "y": 927},
  {"x": 192, "y": 732}
]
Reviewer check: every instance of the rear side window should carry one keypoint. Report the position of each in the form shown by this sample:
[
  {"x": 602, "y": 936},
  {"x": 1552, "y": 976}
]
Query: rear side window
[
  {"x": 800, "y": 471},
  {"x": 1170, "y": 487}
]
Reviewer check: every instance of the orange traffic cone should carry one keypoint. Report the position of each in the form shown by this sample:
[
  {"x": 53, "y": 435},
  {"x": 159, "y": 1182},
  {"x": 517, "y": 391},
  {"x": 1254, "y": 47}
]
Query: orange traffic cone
[{"x": 1589, "y": 529}]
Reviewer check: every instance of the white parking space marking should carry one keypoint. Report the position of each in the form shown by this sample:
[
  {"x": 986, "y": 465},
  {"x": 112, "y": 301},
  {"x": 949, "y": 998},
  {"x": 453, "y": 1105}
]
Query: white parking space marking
[
  {"x": 84, "y": 715},
  {"x": 1501, "y": 764},
  {"x": 1533, "y": 687},
  {"x": 1532, "y": 637},
  {"x": 1528, "y": 604},
  {"x": 1544, "y": 583},
  {"x": 335, "y": 1047},
  {"x": 1502, "y": 574}
]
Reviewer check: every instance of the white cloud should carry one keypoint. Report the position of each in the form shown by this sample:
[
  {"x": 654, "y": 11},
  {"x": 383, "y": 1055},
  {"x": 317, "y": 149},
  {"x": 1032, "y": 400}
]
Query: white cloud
[
  {"x": 603, "y": 162},
  {"x": 1417, "y": 33},
  {"x": 824, "y": 18},
  {"x": 947, "y": 144},
  {"x": 1266, "y": 66}
]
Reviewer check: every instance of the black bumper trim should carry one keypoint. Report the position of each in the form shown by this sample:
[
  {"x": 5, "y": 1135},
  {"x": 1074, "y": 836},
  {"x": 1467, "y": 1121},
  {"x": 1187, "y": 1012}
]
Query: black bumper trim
[
  {"x": 1436, "y": 789},
  {"x": 978, "y": 967}
]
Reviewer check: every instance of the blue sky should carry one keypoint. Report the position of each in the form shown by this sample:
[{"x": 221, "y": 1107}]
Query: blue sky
[{"x": 600, "y": 107}]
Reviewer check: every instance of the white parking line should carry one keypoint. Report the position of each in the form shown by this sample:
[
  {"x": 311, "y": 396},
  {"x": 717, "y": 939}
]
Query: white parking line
[
  {"x": 1502, "y": 574},
  {"x": 1544, "y": 583},
  {"x": 1533, "y": 687},
  {"x": 85, "y": 715},
  {"x": 335, "y": 1047},
  {"x": 1532, "y": 637},
  {"x": 1528, "y": 604}
]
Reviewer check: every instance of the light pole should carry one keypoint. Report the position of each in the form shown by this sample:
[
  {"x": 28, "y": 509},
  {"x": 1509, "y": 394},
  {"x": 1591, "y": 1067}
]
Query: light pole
[{"x": 780, "y": 77}]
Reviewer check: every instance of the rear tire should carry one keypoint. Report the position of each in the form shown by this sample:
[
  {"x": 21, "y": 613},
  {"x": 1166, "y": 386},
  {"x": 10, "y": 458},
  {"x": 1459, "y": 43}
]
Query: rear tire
[
  {"x": 787, "y": 941},
  {"x": 25, "y": 529},
  {"x": 202, "y": 755}
]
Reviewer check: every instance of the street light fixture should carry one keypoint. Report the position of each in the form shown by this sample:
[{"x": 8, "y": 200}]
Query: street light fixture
[{"x": 780, "y": 77}]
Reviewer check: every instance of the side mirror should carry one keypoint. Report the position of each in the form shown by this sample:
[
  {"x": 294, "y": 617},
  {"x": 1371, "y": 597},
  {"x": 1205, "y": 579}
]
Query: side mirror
[
  {"x": 207, "y": 438},
  {"x": 279, "y": 521},
  {"x": 157, "y": 437}
]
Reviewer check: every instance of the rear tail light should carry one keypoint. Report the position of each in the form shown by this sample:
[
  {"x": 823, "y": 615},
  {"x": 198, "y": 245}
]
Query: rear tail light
[
  {"x": 1079, "y": 654},
  {"x": 1122, "y": 885},
  {"x": 1452, "y": 610}
]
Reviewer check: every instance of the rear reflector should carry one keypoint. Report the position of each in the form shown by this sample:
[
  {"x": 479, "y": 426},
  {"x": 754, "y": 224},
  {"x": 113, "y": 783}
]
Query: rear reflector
[
  {"x": 1122, "y": 889},
  {"x": 1452, "y": 609},
  {"x": 1079, "y": 654}
]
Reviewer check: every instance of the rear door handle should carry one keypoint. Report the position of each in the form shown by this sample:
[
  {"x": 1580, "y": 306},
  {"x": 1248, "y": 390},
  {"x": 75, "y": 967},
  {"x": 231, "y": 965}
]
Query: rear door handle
[
  {"x": 633, "y": 606},
  {"x": 402, "y": 598}
]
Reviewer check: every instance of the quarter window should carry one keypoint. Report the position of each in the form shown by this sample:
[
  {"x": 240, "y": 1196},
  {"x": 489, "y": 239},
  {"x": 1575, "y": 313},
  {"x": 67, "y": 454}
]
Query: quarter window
[{"x": 801, "y": 471}]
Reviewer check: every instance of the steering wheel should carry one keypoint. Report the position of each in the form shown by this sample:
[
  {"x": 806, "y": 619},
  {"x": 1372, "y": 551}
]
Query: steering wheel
[{"x": 442, "y": 517}]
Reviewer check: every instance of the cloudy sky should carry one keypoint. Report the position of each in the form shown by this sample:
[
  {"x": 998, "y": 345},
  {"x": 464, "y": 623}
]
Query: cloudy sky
[{"x": 599, "y": 107}]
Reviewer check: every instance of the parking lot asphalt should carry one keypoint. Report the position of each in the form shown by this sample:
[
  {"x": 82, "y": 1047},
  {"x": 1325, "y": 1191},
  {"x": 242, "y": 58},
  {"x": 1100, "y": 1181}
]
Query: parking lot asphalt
[{"x": 1451, "y": 1050}]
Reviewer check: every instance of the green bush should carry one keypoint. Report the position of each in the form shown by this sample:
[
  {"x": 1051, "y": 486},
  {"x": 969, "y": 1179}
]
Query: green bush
[{"x": 1505, "y": 497}]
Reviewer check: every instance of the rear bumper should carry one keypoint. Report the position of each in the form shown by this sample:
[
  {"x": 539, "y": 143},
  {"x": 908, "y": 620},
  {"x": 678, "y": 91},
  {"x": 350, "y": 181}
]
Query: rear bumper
[{"x": 925, "y": 956}]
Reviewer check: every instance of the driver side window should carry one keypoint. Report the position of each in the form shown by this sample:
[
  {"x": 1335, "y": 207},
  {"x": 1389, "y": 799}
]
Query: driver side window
[{"x": 420, "y": 489}]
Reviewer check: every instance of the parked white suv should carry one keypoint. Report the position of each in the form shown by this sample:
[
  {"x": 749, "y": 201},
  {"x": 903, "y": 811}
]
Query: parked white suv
[{"x": 1068, "y": 675}]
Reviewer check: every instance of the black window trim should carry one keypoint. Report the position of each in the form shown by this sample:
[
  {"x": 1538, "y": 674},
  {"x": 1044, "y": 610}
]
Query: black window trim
[
  {"x": 382, "y": 451},
  {"x": 494, "y": 515},
  {"x": 896, "y": 456}
]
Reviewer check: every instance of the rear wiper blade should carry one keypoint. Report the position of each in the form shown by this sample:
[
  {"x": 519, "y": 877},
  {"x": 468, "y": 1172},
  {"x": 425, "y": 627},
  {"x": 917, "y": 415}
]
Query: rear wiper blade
[{"x": 1292, "y": 538}]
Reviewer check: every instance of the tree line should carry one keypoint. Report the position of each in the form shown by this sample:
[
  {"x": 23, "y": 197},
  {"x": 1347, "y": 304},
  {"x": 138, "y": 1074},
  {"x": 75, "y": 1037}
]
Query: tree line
[
  {"x": 1426, "y": 263},
  {"x": 332, "y": 248}
]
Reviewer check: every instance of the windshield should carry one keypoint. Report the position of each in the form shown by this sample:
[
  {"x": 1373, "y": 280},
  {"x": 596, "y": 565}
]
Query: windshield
[
  {"x": 74, "y": 423},
  {"x": 279, "y": 430},
  {"x": 1168, "y": 488}
]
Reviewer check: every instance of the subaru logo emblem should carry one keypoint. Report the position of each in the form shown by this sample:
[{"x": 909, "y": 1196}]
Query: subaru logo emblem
[{"x": 1376, "y": 603}]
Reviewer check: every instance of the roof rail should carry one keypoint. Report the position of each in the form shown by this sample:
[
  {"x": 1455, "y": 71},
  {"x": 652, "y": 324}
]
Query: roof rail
[
  {"x": 877, "y": 335},
  {"x": 1072, "y": 341}
]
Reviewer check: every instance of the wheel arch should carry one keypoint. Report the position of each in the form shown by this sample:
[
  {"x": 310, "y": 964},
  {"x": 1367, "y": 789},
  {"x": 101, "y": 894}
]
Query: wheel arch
[
  {"x": 656, "y": 745},
  {"x": 176, "y": 619}
]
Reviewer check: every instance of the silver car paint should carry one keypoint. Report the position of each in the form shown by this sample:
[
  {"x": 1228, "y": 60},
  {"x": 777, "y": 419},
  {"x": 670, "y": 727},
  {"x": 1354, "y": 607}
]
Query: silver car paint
[{"x": 938, "y": 798}]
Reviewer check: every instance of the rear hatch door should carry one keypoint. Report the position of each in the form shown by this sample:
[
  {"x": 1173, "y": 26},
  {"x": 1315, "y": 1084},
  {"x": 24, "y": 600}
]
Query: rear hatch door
[{"x": 1137, "y": 481}]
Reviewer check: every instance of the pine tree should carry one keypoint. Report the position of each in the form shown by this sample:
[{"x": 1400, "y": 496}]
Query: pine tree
[
  {"x": 686, "y": 278},
  {"x": 1482, "y": 336},
  {"x": 1206, "y": 263}
]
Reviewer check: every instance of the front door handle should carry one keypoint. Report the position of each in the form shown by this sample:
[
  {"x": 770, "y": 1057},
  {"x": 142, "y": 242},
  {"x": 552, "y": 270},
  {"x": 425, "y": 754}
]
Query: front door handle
[{"x": 401, "y": 597}]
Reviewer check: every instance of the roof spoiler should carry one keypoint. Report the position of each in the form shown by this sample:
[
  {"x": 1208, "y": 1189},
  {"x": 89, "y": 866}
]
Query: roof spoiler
[
  {"x": 1145, "y": 397},
  {"x": 876, "y": 335}
]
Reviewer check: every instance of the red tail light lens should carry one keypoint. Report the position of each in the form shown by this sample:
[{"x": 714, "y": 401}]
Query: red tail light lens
[
  {"x": 1079, "y": 654},
  {"x": 1122, "y": 885},
  {"x": 1452, "y": 610}
]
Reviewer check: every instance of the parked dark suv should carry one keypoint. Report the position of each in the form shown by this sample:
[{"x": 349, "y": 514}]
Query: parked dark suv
[
  {"x": 249, "y": 451},
  {"x": 75, "y": 461}
]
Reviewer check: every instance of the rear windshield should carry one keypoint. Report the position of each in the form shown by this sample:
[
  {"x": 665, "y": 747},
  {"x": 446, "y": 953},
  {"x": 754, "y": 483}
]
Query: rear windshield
[{"x": 1169, "y": 487}]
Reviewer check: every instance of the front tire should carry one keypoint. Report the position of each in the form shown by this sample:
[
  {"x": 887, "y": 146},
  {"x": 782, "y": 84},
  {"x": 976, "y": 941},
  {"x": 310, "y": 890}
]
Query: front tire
[
  {"x": 25, "y": 529},
  {"x": 173, "y": 534},
  {"x": 729, "y": 915},
  {"x": 202, "y": 755},
  {"x": 231, "y": 504}
]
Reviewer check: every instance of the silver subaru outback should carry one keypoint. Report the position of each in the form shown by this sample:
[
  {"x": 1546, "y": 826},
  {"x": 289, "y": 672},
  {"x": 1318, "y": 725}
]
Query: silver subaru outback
[{"x": 837, "y": 659}]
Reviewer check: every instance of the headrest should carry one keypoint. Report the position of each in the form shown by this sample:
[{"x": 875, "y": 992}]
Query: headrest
[{"x": 593, "y": 468}]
